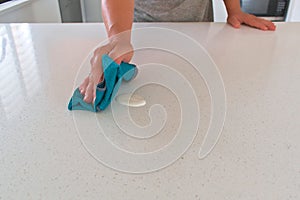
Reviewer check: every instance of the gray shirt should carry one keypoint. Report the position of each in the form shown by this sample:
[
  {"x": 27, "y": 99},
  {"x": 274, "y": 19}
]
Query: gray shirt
[{"x": 173, "y": 11}]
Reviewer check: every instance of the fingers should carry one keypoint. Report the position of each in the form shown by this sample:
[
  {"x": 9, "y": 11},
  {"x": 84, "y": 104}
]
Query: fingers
[
  {"x": 237, "y": 19},
  {"x": 88, "y": 87},
  {"x": 233, "y": 21},
  {"x": 118, "y": 51},
  {"x": 89, "y": 94},
  {"x": 259, "y": 23},
  {"x": 83, "y": 86},
  {"x": 271, "y": 26},
  {"x": 255, "y": 22}
]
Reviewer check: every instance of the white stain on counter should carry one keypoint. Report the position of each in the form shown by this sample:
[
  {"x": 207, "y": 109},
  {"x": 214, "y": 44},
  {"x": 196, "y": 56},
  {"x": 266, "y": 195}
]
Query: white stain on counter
[{"x": 131, "y": 100}]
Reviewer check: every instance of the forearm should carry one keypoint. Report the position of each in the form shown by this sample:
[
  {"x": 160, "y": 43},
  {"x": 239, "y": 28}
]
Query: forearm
[
  {"x": 232, "y": 6},
  {"x": 118, "y": 17}
]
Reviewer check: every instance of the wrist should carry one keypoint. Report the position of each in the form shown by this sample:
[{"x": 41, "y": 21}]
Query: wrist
[
  {"x": 232, "y": 7},
  {"x": 233, "y": 11},
  {"x": 116, "y": 37}
]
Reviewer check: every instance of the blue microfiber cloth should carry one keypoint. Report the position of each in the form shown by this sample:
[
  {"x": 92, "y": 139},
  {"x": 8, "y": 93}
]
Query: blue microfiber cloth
[{"x": 108, "y": 88}]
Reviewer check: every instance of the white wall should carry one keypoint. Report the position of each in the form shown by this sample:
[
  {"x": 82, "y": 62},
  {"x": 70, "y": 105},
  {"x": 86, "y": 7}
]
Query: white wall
[
  {"x": 20, "y": 13},
  {"x": 32, "y": 11},
  {"x": 294, "y": 11},
  {"x": 46, "y": 10},
  {"x": 92, "y": 10},
  {"x": 220, "y": 14}
]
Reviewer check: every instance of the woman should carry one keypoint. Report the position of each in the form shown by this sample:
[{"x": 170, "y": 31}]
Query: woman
[{"x": 118, "y": 16}]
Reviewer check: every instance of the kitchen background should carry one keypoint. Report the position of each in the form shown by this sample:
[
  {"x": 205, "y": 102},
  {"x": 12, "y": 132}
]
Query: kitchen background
[{"x": 44, "y": 11}]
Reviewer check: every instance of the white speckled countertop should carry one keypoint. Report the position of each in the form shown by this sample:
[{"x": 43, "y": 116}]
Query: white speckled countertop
[{"x": 42, "y": 155}]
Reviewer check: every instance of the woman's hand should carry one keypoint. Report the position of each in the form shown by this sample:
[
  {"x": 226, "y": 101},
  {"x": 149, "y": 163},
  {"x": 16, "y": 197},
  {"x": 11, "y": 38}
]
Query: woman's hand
[
  {"x": 239, "y": 17},
  {"x": 119, "y": 49}
]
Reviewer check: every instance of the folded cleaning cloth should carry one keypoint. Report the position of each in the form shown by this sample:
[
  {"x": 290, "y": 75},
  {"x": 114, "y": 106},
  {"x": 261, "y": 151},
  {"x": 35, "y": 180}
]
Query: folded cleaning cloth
[{"x": 108, "y": 88}]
